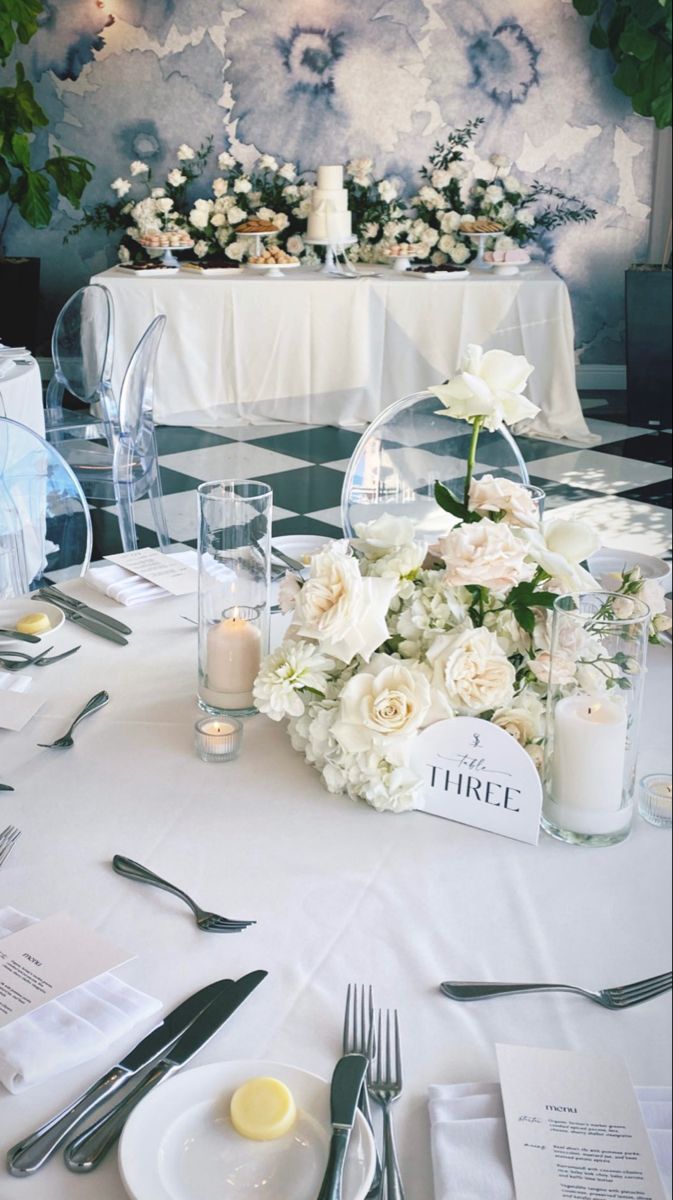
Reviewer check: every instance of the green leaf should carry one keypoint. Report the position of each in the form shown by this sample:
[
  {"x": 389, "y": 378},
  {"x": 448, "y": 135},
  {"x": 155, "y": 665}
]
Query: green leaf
[
  {"x": 32, "y": 197},
  {"x": 628, "y": 76},
  {"x": 448, "y": 502},
  {"x": 599, "y": 37},
  {"x": 586, "y": 8},
  {"x": 525, "y": 618},
  {"x": 637, "y": 41},
  {"x": 5, "y": 177},
  {"x": 71, "y": 175},
  {"x": 662, "y": 110},
  {"x": 21, "y": 150}
]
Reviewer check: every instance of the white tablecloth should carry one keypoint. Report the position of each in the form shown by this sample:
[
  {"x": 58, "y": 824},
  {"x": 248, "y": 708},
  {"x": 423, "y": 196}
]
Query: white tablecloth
[
  {"x": 313, "y": 349},
  {"x": 340, "y": 892},
  {"x": 21, "y": 396}
]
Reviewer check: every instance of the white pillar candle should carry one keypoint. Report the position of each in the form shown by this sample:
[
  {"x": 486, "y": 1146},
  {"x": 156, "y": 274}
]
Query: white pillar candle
[
  {"x": 234, "y": 656},
  {"x": 589, "y": 759}
]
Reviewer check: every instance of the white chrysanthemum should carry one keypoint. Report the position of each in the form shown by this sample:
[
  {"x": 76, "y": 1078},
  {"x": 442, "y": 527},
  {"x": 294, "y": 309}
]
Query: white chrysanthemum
[{"x": 290, "y": 670}]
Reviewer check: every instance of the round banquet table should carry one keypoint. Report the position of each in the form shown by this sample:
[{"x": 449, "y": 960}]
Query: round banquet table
[
  {"x": 21, "y": 396},
  {"x": 340, "y": 893}
]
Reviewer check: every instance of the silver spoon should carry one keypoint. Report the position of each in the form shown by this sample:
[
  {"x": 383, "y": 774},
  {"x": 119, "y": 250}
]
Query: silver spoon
[{"x": 65, "y": 742}]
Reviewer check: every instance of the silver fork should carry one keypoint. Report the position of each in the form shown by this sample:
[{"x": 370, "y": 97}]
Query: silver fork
[
  {"x": 64, "y": 743},
  {"x": 358, "y": 1039},
  {"x": 8, "y": 839},
  {"x": 615, "y": 998},
  {"x": 209, "y": 922},
  {"x": 14, "y": 660},
  {"x": 385, "y": 1087}
]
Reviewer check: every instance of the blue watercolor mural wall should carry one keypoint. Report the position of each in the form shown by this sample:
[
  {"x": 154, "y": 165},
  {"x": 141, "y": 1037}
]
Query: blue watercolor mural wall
[{"x": 326, "y": 80}]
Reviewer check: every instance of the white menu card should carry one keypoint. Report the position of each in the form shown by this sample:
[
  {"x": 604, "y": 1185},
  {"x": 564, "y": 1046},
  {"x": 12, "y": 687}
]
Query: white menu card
[
  {"x": 165, "y": 570},
  {"x": 575, "y": 1128},
  {"x": 47, "y": 959}
]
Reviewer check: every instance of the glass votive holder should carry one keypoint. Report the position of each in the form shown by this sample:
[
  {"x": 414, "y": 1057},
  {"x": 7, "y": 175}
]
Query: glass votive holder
[
  {"x": 218, "y": 740},
  {"x": 656, "y": 800}
]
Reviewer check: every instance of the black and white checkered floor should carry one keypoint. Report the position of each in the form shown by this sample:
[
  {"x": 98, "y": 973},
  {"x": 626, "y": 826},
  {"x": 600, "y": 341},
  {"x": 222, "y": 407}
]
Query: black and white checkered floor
[{"x": 623, "y": 485}]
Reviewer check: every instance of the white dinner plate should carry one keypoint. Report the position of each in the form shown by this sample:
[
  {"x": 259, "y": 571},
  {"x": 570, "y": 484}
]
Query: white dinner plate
[
  {"x": 211, "y": 272},
  {"x": 299, "y": 546},
  {"x": 613, "y": 561},
  {"x": 12, "y": 611},
  {"x": 179, "y": 1144}
]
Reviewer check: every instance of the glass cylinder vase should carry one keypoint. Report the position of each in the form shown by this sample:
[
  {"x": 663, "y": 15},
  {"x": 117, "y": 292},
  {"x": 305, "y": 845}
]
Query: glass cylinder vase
[
  {"x": 234, "y": 590},
  {"x": 597, "y": 675}
]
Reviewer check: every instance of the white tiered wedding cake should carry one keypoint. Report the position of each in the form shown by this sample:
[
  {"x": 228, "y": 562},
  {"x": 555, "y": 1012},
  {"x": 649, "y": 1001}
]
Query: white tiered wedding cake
[{"x": 330, "y": 220}]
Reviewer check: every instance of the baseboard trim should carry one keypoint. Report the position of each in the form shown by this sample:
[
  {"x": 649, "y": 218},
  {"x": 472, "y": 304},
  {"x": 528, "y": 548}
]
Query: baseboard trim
[{"x": 609, "y": 377}]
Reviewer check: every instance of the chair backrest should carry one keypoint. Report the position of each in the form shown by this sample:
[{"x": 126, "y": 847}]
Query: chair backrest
[
  {"x": 82, "y": 343},
  {"x": 405, "y": 451},
  {"x": 45, "y": 523},
  {"x": 136, "y": 403}
]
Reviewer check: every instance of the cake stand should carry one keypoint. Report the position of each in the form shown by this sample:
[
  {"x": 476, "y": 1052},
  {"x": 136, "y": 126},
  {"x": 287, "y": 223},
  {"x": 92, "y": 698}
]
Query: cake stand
[
  {"x": 401, "y": 262},
  {"x": 167, "y": 253},
  {"x": 334, "y": 250},
  {"x": 259, "y": 238},
  {"x": 480, "y": 263},
  {"x": 273, "y": 270}
]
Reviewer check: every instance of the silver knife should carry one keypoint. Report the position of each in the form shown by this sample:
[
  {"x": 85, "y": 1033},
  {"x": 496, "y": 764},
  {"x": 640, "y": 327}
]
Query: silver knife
[
  {"x": 88, "y": 1150},
  {"x": 347, "y": 1084},
  {"x": 93, "y": 626},
  {"x": 34, "y": 1151},
  {"x": 52, "y": 593},
  {"x": 4, "y": 787}
]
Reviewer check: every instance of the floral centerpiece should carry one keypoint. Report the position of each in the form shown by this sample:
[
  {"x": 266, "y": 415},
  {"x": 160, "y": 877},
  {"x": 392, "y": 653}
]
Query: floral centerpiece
[{"x": 388, "y": 638}]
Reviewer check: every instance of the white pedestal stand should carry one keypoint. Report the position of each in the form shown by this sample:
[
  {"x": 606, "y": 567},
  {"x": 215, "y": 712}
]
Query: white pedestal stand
[
  {"x": 167, "y": 253},
  {"x": 334, "y": 251},
  {"x": 480, "y": 263}
]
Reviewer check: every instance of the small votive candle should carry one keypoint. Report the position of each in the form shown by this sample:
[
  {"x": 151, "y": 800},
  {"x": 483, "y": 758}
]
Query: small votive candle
[
  {"x": 218, "y": 741},
  {"x": 656, "y": 800}
]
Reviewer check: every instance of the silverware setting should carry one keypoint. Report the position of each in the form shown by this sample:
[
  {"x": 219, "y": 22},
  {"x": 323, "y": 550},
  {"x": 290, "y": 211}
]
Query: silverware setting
[
  {"x": 14, "y": 660},
  {"x": 97, "y": 625},
  {"x": 385, "y": 1086},
  {"x": 13, "y": 636},
  {"x": 347, "y": 1087},
  {"x": 165, "y": 1050},
  {"x": 616, "y": 998},
  {"x": 66, "y": 741},
  {"x": 357, "y": 1039},
  {"x": 208, "y": 922},
  {"x": 292, "y": 564},
  {"x": 8, "y": 838},
  {"x": 53, "y": 594}
]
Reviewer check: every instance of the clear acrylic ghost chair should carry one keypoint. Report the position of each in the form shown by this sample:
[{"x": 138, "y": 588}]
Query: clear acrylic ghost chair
[
  {"x": 405, "y": 451},
  {"x": 131, "y": 471},
  {"x": 82, "y": 351},
  {"x": 45, "y": 524}
]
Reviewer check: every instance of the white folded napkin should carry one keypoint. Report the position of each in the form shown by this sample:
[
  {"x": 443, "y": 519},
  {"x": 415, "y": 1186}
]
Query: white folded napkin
[
  {"x": 470, "y": 1151},
  {"x": 71, "y": 1030},
  {"x": 123, "y": 586},
  {"x": 14, "y": 683}
]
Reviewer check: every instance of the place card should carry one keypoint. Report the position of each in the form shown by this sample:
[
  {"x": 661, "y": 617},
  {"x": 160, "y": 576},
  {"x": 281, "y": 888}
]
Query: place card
[
  {"x": 476, "y": 773},
  {"x": 46, "y": 959},
  {"x": 162, "y": 569},
  {"x": 17, "y": 709},
  {"x": 575, "y": 1127}
]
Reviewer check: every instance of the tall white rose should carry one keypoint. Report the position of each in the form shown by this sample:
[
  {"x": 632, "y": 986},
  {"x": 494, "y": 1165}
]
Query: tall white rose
[
  {"x": 471, "y": 673},
  {"x": 388, "y": 701},
  {"x": 490, "y": 385},
  {"x": 340, "y": 609},
  {"x": 485, "y": 554},
  {"x": 562, "y": 559},
  {"x": 199, "y": 218}
]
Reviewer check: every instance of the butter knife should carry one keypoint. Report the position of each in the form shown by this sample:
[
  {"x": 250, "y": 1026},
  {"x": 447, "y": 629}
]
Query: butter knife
[
  {"x": 88, "y": 1150},
  {"x": 56, "y": 597},
  {"x": 34, "y": 1151},
  {"x": 4, "y": 787},
  {"x": 347, "y": 1083},
  {"x": 89, "y": 623}
]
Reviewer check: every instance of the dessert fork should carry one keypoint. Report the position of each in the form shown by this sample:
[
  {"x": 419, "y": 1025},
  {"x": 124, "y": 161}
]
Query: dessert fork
[
  {"x": 358, "y": 1038},
  {"x": 209, "y": 922},
  {"x": 65, "y": 742},
  {"x": 385, "y": 1087},
  {"x": 15, "y": 660},
  {"x": 8, "y": 839},
  {"x": 615, "y": 998}
]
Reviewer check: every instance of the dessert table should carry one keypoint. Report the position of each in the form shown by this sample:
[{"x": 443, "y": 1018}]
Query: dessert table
[
  {"x": 340, "y": 893},
  {"x": 318, "y": 349},
  {"x": 21, "y": 396}
]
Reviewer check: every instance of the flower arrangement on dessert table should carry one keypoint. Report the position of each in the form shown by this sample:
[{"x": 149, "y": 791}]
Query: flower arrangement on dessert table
[{"x": 388, "y": 638}]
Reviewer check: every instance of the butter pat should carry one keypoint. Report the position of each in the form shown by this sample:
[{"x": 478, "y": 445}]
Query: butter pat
[
  {"x": 35, "y": 623},
  {"x": 263, "y": 1110}
]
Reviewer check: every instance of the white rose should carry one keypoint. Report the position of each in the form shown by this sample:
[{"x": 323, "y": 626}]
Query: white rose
[
  {"x": 236, "y": 215},
  {"x": 460, "y": 253},
  {"x": 390, "y": 700},
  {"x": 471, "y": 673},
  {"x": 201, "y": 249},
  {"x": 388, "y": 191},
  {"x": 459, "y": 170},
  {"x": 291, "y": 193},
  {"x": 345, "y": 613},
  {"x": 564, "y": 669},
  {"x": 124, "y": 254},
  {"x": 511, "y": 637},
  {"x": 653, "y": 595},
  {"x": 360, "y": 171},
  {"x": 185, "y": 153},
  {"x": 217, "y": 220},
  {"x": 441, "y": 178},
  {"x": 371, "y": 230},
  {"x": 537, "y": 754},
  {"x": 236, "y": 251},
  {"x": 485, "y": 554},
  {"x": 288, "y": 171},
  {"x": 303, "y": 210},
  {"x": 447, "y": 243},
  {"x": 524, "y": 719},
  {"x": 226, "y": 161},
  {"x": 165, "y": 205},
  {"x": 199, "y": 218},
  {"x": 138, "y": 168},
  {"x": 121, "y": 186},
  {"x": 468, "y": 219},
  {"x": 429, "y": 237},
  {"x": 268, "y": 163},
  {"x": 506, "y": 213},
  {"x": 377, "y": 538},
  {"x": 450, "y": 222},
  {"x": 158, "y": 193},
  {"x": 494, "y": 194},
  {"x": 243, "y": 186},
  {"x": 281, "y": 221},
  {"x": 491, "y": 495},
  {"x": 525, "y": 217},
  {"x": 513, "y": 185},
  {"x": 489, "y": 385},
  {"x": 500, "y": 161},
  {"x": 295, "y": 246},
  {"x": 431, "y": 198},
  {"x": 220, "y": 187},
  {"x": 175, "y": 178}
]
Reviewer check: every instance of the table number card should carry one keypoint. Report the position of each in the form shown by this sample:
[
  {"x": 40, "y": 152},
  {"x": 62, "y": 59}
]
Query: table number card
[
  {"x": 47, "y": 959},
  {"x": 477, "y": 774},
  {"x": 575, "y": 1128}
]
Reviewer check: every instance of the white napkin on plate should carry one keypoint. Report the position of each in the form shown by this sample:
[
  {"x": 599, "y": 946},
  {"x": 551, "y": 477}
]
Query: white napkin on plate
[
  {"x": 470, "y": 1151},
  {"x": 70, "y": 1030},
  {"x": 123, "y": 586}
]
